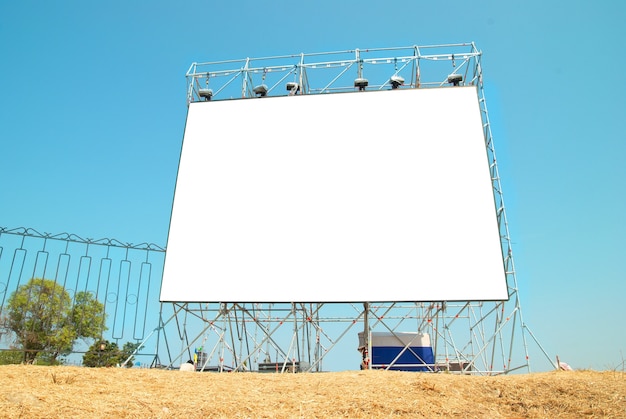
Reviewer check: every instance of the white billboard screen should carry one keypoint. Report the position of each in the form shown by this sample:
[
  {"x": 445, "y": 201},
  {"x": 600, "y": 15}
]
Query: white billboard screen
[{"x": 348, "y": 197}]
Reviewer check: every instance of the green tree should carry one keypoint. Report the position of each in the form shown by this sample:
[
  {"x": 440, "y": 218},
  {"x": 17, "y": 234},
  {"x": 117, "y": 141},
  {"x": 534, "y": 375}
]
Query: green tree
[
  {"x": 11, "y": 357},
  {"x": 45, "y": 320},
  {"x": 102, "y": 354},
  {"x": 107, "y": 354}
]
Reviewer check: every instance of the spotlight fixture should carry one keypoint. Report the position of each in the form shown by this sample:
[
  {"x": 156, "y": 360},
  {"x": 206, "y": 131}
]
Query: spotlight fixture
[
  {"x": 293, "y": 87},
  {"x": 260, "y": 90},
  {"x": 455, "y": 79},
  {"x": 396, "y": 81},
  {"x": 205, "y": 94},
  {"x": 361, "y": 83}
]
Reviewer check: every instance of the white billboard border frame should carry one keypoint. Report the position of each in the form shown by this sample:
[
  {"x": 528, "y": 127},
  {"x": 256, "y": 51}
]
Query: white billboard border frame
[{"x": 478, "y": 290}]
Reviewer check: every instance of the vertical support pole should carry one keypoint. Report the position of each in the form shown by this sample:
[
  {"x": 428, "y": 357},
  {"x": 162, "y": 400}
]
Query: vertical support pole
[
  {"x": 301, "y": 75},
  {"x": 244, "y": 84},
  {"x": 366, "y": 348}
]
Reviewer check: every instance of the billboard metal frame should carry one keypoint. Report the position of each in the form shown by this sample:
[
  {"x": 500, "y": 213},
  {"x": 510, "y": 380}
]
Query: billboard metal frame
[{"x": 483, "y": 337}]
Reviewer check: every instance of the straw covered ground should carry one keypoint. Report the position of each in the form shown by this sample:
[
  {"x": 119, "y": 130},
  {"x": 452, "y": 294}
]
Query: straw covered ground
[{"x": 61, "y": 392}]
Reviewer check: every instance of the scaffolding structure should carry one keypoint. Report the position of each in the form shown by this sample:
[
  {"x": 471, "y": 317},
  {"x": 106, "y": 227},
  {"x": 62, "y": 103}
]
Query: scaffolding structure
[{"x": 481, "y": 337}]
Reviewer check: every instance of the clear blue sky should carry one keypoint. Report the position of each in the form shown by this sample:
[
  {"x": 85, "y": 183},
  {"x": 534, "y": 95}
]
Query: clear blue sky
[{"x": 92, "y": 112}]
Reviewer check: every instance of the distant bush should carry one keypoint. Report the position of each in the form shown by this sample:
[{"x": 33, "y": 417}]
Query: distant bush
[
  {"x": 107, "y": 354},
  {"x": 11, "y": 357}
]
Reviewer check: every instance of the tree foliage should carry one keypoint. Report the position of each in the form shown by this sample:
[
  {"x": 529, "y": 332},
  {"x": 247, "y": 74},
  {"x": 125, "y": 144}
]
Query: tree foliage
[
  {"x": 46, "y": 320},
  {"x": 107, "y": 354},
  {"x": 11, "y": 357}
]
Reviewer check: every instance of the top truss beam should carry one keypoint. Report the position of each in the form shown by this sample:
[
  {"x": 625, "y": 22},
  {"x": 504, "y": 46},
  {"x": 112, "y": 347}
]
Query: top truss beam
[{"x": 334, "y": 72}]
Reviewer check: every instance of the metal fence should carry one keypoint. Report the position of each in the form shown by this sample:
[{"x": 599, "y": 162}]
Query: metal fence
[{"x": 124, "y": 277}]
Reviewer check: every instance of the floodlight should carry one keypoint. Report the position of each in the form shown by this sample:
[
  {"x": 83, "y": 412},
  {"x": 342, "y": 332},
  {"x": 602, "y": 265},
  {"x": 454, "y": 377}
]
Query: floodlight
[
  {"x": 205, "y": 94},
  {"x": 293, "y": 87},
  {"x": 260, "y": 90},
  {"x": 361, "y": 83},
  {"x": 455, "y": 79},
  {"x": 396, "y": 81}
]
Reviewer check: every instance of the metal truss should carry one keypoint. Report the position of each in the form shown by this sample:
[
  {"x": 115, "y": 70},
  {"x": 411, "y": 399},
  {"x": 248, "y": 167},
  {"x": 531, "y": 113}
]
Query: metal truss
[
  {"x": 334, "y": 72},
  {"x": 468, "y": 337}
]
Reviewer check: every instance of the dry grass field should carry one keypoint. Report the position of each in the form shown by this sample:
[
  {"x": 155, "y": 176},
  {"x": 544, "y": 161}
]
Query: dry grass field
[{"x": 74, "y": 392}]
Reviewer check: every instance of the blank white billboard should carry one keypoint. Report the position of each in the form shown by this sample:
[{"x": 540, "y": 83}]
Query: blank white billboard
[{"x": 347, "y": 197}]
